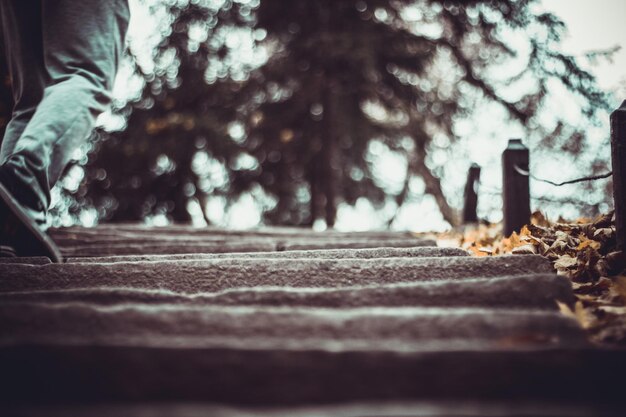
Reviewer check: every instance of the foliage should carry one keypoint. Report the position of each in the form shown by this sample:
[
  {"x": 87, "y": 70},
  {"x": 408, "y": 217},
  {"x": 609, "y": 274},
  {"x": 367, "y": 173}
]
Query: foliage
[
  {"x": 295, "y": 126},
  {"x": 151, "y": 166},
  {"x": 584, "y": 251}
]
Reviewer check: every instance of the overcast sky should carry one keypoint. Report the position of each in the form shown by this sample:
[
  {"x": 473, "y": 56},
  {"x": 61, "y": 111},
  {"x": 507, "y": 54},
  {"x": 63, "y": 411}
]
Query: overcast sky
[{"x": 595, "y": 24}]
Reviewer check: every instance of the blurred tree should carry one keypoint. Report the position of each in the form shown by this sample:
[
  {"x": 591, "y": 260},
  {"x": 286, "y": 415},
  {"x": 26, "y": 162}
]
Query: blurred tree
[
  {"x": 345, "y": 73},
  {"x": 150, "y": 167},
  {"x": 329, "y": 94},
  {"x": 339, "y": 76}
]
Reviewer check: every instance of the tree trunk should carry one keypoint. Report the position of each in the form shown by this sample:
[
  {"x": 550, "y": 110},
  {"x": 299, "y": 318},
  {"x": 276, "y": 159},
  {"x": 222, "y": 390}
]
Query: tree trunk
[
  {"x": 329, "y": 153},
  {"x": 433, "y": 186},
  {"x": 317, "y": 203},
  {"x": 183, "y": 175}
]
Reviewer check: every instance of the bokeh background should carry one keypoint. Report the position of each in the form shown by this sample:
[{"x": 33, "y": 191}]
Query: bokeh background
[{"x": 353, "y": 114}]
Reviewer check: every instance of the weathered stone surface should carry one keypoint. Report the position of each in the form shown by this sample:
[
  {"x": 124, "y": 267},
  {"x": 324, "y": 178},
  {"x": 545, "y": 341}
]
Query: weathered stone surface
[
  {"x": 361, "y": 409},
  {"x": 159, "y": 245},
  {"x": 130, "y": 229},
  {"x": 530, "y": 291},
  {"x": 201, "y": 325},
  {"x": 141, "y": 240},
  {"x": 211, "y": 275},
  {"x": 36, "y": 374},
  {"x": 107, "y": 233},
  {"x": 352, "y": 244},
  {"x": 292, "y": 254},
  {"x": 161, "y": 248},
  {"x": 37, "y": 260},
  {"x": 403, "y": 328}
]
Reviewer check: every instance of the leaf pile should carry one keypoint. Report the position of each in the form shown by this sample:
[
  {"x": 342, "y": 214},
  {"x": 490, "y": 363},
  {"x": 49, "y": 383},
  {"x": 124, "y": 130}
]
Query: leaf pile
[{"x": 585, "y": 251}]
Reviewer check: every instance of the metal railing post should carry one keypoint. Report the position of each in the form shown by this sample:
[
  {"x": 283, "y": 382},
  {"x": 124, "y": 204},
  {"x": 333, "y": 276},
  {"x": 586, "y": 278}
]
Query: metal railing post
[
  {"x": 618, "y": 159},
  {"x": 470, "y": 195},
  {"x": 515, "y": 186}
]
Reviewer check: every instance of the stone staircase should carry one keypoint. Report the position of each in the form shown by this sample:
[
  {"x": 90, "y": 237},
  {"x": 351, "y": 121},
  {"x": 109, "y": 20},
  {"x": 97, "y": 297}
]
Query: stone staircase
[{"x": 183, "y": 322}]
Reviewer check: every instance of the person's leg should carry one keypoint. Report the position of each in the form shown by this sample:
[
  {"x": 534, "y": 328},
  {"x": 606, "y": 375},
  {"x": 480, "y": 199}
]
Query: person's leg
[
  {"x": 83, "y": 41},
  {"x": 23, "y": 46}
]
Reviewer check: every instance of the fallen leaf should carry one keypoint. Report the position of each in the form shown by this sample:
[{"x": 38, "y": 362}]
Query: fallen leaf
[
  {"x": 565, "y": 309},
  {"x": 617, "y": 310},
  {"x": 579, "y": 313},
  {"x": 559, "y": 246},
  {"x": 525, "y": 250},
  {"x": 588, "y": 243},
  {"x": 603, "y": 234},
  {"x": 604, "y": 220},
  {"x": 584, "y": 251},
  {"x": 538, "y": 219},
  {"x": 565, "y": 262},
  {"x": 602, "y": 267},
  {"x": 619, "y": 287}
]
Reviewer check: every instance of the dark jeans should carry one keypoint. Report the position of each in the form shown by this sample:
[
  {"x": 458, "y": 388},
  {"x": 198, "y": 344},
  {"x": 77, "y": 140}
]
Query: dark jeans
[{"x": 62, "y": 56}]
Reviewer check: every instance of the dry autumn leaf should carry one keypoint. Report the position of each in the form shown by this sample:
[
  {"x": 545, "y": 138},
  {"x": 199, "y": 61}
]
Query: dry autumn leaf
[
  {"x": 619, "y": 287},
  {"x": 565, "y": 262},
  {"x": 588, "y": 243},
  {"x": 584, "y": 251},
  {"x": 528, "y": 249},
  {"x": 604, "y": 234},
  {"x": 578, "y": 313}
]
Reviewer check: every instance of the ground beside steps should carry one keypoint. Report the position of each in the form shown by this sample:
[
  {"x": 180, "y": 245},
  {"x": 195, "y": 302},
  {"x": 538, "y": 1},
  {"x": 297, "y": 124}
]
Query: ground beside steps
[{"x": 180, "y": 321}]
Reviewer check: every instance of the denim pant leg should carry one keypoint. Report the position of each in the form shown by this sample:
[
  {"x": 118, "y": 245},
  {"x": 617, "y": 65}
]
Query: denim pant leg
[
  {"x": 82, "y": 44},
  {"x": 23, "y": 45},
  {"x": 24, "y": 49}
]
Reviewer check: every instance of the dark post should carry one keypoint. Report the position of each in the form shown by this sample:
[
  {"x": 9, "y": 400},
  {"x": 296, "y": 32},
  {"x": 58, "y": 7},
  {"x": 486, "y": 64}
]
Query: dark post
[
  {"x": 618, "y": 156},
  {"x": 471, "y": 197},
  {"x": 515, "y": 186}
]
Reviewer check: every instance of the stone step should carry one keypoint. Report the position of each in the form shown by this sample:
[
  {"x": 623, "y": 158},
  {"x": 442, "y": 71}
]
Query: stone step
[
  {"x": 267, "y": 355},
  {"x": 309, "y": 244},
  {"x": 280, "y": 327},
  {"x": 100, "y": 236},
  {"x": 360, "y": 409},
  {"x": 28, "y": 260},
  {"x": 139, "y": 240},
  {"x": 104, "y": 238},
  {"x": 160, "y": 246},
  {"x": 292, "y": 254},
  {"x": 538, "y": 291},
  {"x": 111, "y": 229},
  {"x": 374, "y": 323},
  {"x": 210, "y": 275},
  {"x": 94, "y": 374}
]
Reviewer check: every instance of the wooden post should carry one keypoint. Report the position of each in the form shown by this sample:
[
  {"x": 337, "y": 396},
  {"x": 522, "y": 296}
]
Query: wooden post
[
  {"x": 515, "y": 186},
  {"x": 618, "y": 156},
  {"x": 470, "y": 195}
]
